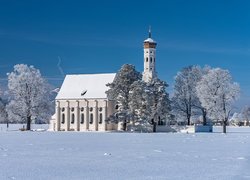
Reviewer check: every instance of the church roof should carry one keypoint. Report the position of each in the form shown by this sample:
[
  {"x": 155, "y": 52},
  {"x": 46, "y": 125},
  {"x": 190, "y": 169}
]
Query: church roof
[{"x": 85, "y": 86}]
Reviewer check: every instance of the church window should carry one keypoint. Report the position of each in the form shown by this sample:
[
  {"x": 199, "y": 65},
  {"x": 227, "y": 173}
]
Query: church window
[
  {"x": 82, "y": 108},
  {"x": 100, "y": 118},
  {"x": 72, "y": 109},
  {"x": 82, "y": 118},
  {"x": 150, "y": 69},
  {"x": 91, "y": 119},
  {"x": 90, "y": 109},
  {"x": 151, "y": 52},
  {"x": 63, "y": 109},
  {"x": 100, "y": 108},
  {"x": 72, "y": 118},
  {"x": 151, "y": 59},
  {"x": 146, "y": 59},
  {"x": 63, "y": 118}
]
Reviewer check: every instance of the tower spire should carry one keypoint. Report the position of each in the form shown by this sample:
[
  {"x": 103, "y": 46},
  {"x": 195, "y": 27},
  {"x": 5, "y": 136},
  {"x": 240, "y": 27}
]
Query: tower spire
[
  {"x": 149, "y": 32},
  {"x": 149, "y": 45}
]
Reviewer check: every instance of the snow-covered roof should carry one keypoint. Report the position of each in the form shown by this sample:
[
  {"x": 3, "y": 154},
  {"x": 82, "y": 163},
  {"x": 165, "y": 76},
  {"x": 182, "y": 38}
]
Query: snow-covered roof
[
  {"x": 84, "y": 86},
  {"x": 150, "y": 40}
]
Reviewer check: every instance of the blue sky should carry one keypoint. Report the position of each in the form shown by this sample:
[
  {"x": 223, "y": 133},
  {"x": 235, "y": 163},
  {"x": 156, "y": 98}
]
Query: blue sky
[{"x": 99, "y": 36}]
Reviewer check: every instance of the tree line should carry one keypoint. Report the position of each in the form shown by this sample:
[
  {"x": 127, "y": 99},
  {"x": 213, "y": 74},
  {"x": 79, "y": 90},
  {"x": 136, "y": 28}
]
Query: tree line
[{"x": 198, "y": 92}]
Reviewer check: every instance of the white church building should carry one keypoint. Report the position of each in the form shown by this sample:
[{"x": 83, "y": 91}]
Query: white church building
[{"x": 82, "y": 104}]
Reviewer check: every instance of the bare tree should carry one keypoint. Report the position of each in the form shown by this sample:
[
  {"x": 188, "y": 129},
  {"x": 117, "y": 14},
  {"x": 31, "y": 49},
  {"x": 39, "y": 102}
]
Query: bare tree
[
  {"x": 30, "y": 95},
  {"x": 217, "y": 91}
]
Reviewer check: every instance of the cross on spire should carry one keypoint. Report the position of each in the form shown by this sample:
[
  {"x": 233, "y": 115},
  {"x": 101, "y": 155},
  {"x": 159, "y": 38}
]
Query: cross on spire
[{"x": 149, "y": 32}]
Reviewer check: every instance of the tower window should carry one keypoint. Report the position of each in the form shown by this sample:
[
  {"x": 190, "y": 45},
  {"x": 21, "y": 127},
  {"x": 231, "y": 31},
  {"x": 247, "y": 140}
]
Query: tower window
[
  {"x": 146, "y": 59},
  {"x": 90, "y": 109},
  {"x": 151, "y": 59},
  {"x": 151, "y": 69},
  {"x": 82, "y": 118},
  {"x": 150, "y": 51},
  {"x": 72, "y": 118},
  {"x": 91, "y": 118}
]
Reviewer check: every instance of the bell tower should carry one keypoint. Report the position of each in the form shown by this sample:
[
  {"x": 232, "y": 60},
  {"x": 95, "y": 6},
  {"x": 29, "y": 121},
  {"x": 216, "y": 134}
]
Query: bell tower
[{"x": 149, "y": 44}]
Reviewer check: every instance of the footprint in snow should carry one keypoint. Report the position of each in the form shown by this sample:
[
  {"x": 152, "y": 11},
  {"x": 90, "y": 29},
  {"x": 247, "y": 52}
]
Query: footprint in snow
[
  {"x": 159, "y": 151},
  {"x": 107, "y": 154},
  {"x": 241, "y": 158}
]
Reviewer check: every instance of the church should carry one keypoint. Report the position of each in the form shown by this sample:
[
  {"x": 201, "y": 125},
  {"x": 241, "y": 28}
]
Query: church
[{"x": 82, "y": 104}]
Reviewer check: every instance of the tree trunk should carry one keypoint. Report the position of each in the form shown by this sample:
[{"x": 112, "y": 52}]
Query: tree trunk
[
  {"x": 204, "y": 113},
  {"x": 28, "y": 123},
  {"x": 188, "y": 118},
  {"x": 224, "y": 126},
  {"x": 124, "y": 126},
  {"x": 154, "y": 127}
]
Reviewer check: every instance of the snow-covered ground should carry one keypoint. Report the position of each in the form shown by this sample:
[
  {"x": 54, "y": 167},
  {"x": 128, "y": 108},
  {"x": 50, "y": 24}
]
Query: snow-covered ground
[{"x": 78, "y": 155}]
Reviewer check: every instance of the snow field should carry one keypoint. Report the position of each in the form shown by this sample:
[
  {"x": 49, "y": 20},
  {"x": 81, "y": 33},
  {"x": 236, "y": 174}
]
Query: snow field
[{"x": 77, "y": 155}]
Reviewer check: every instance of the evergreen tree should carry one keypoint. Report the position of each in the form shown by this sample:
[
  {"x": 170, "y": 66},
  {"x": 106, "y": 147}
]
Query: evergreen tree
[
  {"x": 160, "y": 107},
  {"x": 119, "y": 92}
]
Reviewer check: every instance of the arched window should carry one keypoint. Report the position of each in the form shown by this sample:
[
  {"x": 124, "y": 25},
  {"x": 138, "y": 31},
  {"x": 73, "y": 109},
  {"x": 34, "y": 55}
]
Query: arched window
[
  {"x": 100, "y": 118},
  {"x": 151, "y": 59},
  {"x": 72, "y": 109},
  {"x": 82, "y": 108},
  {"x": 146, "y": 59},
  {"x": 100, "y": 108},
  {"x": 90, "y": 109},
  {"x": 91, "y": 118},
  {"x": 72, "y": 118},
  {"x": 63, "y": 109},
  {"x": 63, "y": 118},
  {"x": 82, "y": 118}
]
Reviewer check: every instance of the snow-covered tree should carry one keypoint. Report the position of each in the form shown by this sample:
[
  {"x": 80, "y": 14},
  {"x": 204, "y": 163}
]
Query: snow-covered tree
[
  {"x": 149, "y": 103},
  {"x": 3, "y": 113},
  {"x": 217, "y": 92},
  {"x": 140, "y": 102},
  {"x": 245, "y": 113},
  {"x": 185, "y": 101},
  {"x": 160, "y": 107},
  {"x": 119, "y": 92},
  {"x": 30, "y": 95}
]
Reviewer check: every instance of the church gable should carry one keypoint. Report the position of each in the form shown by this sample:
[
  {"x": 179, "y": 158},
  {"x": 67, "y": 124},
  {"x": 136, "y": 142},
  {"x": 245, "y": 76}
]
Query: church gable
[{"x": 85, "y": 86}]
